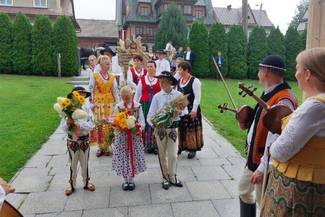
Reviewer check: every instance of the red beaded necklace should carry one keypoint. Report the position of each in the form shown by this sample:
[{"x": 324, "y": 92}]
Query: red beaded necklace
[{"x": 126, "y": 107}]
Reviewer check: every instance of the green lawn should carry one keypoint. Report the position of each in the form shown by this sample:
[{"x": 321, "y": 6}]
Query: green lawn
[
  {"x": 27, "y": 117},
  {"x": 214, "y": 93}
]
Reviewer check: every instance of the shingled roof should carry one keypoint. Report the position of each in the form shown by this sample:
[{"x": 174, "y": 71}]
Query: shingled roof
[
  {"x": 97, "y": 28},
  {"x": 233, "y": 16}
]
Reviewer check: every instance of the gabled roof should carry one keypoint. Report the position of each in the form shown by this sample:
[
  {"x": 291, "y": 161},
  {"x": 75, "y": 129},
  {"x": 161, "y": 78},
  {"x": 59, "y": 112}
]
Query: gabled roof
[
  {"x": 233, "y": 16},
  {"x": 91, "y": 28}
]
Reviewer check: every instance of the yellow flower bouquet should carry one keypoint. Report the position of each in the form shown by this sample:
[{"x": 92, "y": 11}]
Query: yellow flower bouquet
[{"x": 123, "y": 121}]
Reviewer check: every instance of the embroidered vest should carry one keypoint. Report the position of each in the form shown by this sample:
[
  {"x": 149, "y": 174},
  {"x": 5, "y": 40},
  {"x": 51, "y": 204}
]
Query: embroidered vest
[
  {"x": 135, "y": 77},
  {"x": 147, "y": 90},
  {"x": 260, "y": 135},
  {"x": 308, "y": 164}
]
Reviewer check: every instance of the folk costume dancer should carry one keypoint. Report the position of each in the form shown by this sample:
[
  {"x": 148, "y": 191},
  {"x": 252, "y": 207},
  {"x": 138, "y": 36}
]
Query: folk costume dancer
[
  {"x": 136, "y": 72},
  {"x": 128, "y": 157},
  {"x": 105, "y": 95},
  {"x": 145, "y": 91},
  {"x": 190, "y": 126},
  {"x": 78, "y": 144},
  {"x": 276, "y": 91},
  {"x": 162, "y": 64},
  {"x": 296, "y": 186},
  {"x": 166, "y": 137}
]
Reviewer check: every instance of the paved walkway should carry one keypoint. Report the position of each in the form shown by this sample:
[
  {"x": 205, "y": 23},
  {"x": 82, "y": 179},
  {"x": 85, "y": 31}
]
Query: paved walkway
[{"x": 210, "y": 185}]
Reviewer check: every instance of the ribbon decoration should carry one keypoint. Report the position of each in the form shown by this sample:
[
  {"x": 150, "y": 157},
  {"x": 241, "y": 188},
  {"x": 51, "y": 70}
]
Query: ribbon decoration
[{"x": 130, "y": 147}]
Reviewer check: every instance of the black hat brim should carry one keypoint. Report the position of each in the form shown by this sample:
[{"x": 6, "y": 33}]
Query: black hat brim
[{"x": 172, "y": 79}]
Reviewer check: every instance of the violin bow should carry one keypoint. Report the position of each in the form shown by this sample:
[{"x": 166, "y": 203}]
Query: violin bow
[{"x": 224, "y": 83}]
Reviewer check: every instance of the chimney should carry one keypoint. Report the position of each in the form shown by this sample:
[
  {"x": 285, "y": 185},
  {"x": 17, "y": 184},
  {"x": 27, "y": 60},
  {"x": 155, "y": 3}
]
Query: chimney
[{"x": 229, "y": 7}]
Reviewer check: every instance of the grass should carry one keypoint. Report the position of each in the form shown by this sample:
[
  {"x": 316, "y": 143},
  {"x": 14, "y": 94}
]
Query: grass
[
  {"x": 214, "y": 93},
  {"x": 27, "y": 117}
]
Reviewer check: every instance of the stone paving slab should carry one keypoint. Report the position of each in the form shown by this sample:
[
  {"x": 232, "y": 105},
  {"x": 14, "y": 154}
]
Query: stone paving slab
[{"x": 210, "y": 184}]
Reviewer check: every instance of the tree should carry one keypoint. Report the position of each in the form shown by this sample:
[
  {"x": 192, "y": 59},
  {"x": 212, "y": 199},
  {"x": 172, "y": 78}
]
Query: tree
[
  {"x": 65, "y": 43},
  {"x": 275, "y": 42},
  {"x": 256, "y": 50},
  {"x": 5, "y": 43},
  {"x": 43, "y": 60},
  {"x": 303, "y": 39},
  {"x": 198, "y": 41},
  {"x": 237, "y": 53},
  {"x": 172, "y": 27},
  {"x": 218, "y": 42},
  {"x": 302, "y": 7},
  {"x": 293, "y": 44},
  {"x": 21, "y": 47}
]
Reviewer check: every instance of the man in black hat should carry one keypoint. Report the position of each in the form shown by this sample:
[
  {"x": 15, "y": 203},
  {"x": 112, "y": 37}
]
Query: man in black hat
[
  {"x": 78, "y": 143},
  {"x": 276, "y": 91},
  {"x": 166, "y": 137},
  {"x": 162, "y": 64}
]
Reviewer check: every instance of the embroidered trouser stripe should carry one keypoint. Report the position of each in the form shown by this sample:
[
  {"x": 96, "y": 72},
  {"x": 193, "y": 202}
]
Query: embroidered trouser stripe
[{"x": 75, "y": 157}]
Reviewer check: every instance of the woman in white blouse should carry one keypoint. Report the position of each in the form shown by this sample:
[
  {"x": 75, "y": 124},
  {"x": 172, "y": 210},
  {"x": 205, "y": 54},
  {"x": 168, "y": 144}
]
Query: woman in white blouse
[
  {"x": 190, "y": 127},
  {"x": 296, "y": 185}
]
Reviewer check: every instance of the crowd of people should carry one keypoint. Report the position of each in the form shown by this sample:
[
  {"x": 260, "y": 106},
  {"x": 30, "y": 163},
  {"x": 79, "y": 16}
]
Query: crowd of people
[{"x": 284, "y": 174}]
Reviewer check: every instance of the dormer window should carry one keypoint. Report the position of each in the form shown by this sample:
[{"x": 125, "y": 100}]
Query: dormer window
[
  {"x": 144, "y": 10},
  {"x": 6, "y": 2},
  {"x": 199, "y": 12},
  {"x": 40, "y": 3},
  {"x": 188, "y": 9}
]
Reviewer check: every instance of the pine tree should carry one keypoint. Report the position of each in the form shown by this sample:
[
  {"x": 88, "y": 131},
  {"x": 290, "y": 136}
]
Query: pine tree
[
  {"x": 218, "y": 42},
  {"x": 43, "y": 60},
  {"x": 301, "y": 9},
  {"x": 198, "y": 41},
  {"x": 65, "y": 43},
  {"x": 172, "y": 27},
  {"x": 237, "y": 53},
  {"x": 304, "y": 39},
  {"x": 293, "y": 44},
  {"x": 21, "y": 49},
  {"x": 275, "y": 42},
  {"x": 5, "y": 43},
  {"x": 256, "y": 51}
]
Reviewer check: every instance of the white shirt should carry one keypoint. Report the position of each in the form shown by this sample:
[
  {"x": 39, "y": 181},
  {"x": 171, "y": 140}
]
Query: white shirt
[
  {"x": 188, "y": 55},
  {"x": 169, "y": 47},
  {"x": 197, "y": 92},
  {"x": 2, "y": 196},
  {"x": 141, "y": 119},
  {"x": 129, "y": 78},
  {"x": 116, "y": 69},
  {"x": 92, "y": 86},
  {"x": 307, "y": 121},
  {"x": 162, "y": 65},
  {"x": 270, "y": 136},
  {"x": 177, "y": 76},
  {"x": 138, "y": 92},
  {"x": 160, "y": 101}
]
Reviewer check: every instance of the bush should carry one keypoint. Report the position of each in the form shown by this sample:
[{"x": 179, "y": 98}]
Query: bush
[
  {"x": 5, "y": 43},
  {"x": 21, "y": 49},
  {"x": 65, "y": 43},
  {"x": 256, "y": 51},
  {"x": 172, "y": 27},
  {"x": 293, "y": 44},
  {"x": 198, "y": 41},
  {"x": 275, "y": 42},
  {"x": 237, "y": 53},
  {"x": 218, "y": 42},
  {"x": 43, "y": 59}
]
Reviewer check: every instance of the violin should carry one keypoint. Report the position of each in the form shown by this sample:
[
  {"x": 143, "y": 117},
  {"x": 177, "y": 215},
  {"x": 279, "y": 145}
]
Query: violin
[
  {"x": 273, "y": 115},
  {"x": 243, "y": 114},
  {"x": 8, "y": 210}
]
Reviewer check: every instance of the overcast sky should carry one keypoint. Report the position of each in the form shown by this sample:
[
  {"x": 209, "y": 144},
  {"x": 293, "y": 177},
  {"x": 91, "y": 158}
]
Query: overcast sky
[{"x": 280, "y": 12}]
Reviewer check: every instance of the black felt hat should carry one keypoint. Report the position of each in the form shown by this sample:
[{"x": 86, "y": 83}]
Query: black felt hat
[
  {"x": 273, "y": 62},
  {"x": 107, "y": 49},
  {"x": 161, "y": 51},
  {"x": 169, "y": 76},
  {"x": 80, "y": 90}
]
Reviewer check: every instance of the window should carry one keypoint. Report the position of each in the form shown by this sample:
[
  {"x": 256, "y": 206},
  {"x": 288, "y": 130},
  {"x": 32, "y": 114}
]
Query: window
[
  {"x": 199, "y": 12},
  {"x": 187, "y": 9},
  {"x": 6, "y": 2},
  {"x": 40, "y": 3},
  {"x": 138, "y": 30},
  {"x": 144, "y": 10}
]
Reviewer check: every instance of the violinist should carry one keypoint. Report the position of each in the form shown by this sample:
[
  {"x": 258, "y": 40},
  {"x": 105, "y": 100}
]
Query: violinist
[{"x": 276, "y": 92}]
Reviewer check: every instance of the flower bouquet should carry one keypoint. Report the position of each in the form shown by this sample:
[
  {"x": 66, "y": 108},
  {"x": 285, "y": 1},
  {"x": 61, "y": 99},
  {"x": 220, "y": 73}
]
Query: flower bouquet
[
  {"x": 166, "y": 116},
  {"x": 125, "y": 122}
]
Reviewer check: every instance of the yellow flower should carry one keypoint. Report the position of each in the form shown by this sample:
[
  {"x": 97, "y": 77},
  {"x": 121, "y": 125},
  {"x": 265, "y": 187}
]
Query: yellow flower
[
  {"x": 65, "y": 103},
  {"x": 75, "y": 94}
]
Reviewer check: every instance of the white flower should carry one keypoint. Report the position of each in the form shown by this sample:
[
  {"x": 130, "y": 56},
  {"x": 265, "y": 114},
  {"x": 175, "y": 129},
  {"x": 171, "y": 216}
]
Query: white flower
[
  {"x": 60, "y": 100},
  {"x": 79, "y": 114},
  {"x": 130, "y": 122},
  {"x": 58, "y": 109}
]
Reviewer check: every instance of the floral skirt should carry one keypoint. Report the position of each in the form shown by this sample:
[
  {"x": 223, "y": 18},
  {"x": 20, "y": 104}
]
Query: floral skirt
[
  {"x": 190, "y": 133},
  {"x": 121, "y": 155},
  {"x": 99, "y": 135},
  {"x": 287, "y": 197}
]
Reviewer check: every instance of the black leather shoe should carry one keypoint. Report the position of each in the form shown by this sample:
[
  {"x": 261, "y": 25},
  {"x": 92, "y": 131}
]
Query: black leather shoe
[
  {"x": 131, "y": 186},
  {"x": 155, "y": 151},
  {"x": 165, "y": 185},
  {"x": 191, "y": 155},
  {"x": 247, "y": 209},
  {"x": 125, "y": 186}
]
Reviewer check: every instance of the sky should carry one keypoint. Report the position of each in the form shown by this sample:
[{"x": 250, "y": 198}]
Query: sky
[{"x": 280, "y": 12}]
